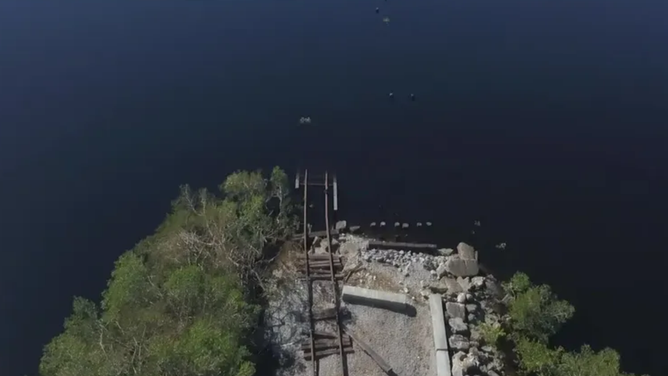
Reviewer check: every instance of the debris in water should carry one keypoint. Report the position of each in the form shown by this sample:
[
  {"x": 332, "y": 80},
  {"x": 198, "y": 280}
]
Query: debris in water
[
  {"x": 386, "y": 20},
  {"x": 377, "y": 9},
  {"x": 412, "y": 96},
  {"x": 305, "y": 120},
  {"x": 392, "y": 95}
]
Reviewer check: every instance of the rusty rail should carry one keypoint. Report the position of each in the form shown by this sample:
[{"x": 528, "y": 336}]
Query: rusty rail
[
  {"x": 322, "y": 267},
  {"x": 337, "y": 303},
  {"x": 308, "y": 276}
]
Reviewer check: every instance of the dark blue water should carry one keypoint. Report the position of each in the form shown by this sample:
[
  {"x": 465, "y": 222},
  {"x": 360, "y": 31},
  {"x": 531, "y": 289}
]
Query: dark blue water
[{"x": 546, "y": 121}]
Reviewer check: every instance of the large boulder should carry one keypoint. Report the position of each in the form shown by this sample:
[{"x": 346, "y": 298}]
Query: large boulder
[
  {"x": 459, "y": 342},
  {"x": 460, "y": 267},
  {"x": 341, "y": 226},
  {"x": 455, "y": 310},
  {"x": 466, "y": 252},
  {"x": 458, "y": 326}
]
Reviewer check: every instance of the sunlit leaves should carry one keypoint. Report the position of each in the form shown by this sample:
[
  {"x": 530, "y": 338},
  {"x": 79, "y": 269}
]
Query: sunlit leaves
[
  {"x": 535, "y": 312},
  {"x": 128, "y": 286},
  {"x": 176, "y": 304}
]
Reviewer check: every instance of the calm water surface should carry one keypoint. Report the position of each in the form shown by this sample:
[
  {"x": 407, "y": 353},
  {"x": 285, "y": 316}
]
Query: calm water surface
[{"x": 546, "y": 121}]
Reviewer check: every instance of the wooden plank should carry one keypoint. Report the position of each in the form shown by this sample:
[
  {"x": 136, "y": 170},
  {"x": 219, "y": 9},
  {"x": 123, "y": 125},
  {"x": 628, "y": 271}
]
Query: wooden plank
[
  {"x": 313, "y": 234},
  {"x": 322, "y": 334},
  {"x": 318, "y": 262},
  {"x": 319, "y": 257},
  {"x": 399, "y": 245},
  {"x": 324, "y": 353},
  {"x": 323, "y": 266},
  {"x": 322, "y": 344},
  {"x": 324, "y": 314},
  {"x": 367, "y": 349},
  {"x": 336, "y": 194},
  {"x": 325, "y": 277}
]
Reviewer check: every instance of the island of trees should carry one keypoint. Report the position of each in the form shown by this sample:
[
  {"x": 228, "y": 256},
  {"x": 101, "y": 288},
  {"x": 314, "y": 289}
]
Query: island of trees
[{"x": 186, "y": 301}]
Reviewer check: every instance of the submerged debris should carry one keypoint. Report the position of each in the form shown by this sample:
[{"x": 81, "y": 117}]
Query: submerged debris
[{"x": 305, "y": 120}]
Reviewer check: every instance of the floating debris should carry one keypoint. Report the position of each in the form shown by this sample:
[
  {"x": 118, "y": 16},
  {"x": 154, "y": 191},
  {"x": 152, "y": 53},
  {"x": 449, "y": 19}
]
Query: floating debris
[
  {"x": 386, "y": 20},
  {"x": 476, "y": 223},
  {"x": 412, "y": 96},
  {"x": 377, "y": 10},
  {"x": 391, "y": 95},
  {"x": 501, "y": 246},
  {"x": 305, "y": 120}
]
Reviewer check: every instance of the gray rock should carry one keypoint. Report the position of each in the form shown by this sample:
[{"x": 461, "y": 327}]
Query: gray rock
[
  {"x": 471, "y": 308},
  {"x": 461, "y": 268},
  {"x": 455, "y": 310},
  {"x": 397, "y": 224},
  {"x": 489, "y": 372},
  {"x": 465, "y": 251},
  {"x": 405, "y": 225},
  {"x": 461, "y": 298},
  {"x": 478, "y": 282},
  {"x": 471, "y": 318},
  {"x": 458, "y": 325},
  {"x": 487, "y": 349},
  {"x": 438, "y": 288},
  {"x": 464, "y": 283},
  {"x": 382, "y": 224},
  {"x": 458, "y": 364},
  {"x": 453, "y": 286},
  {"x": 445, "y": 251},
  {"x": 459, "y": 342},
  {"x": 341, "y": 226},
  {"x": 441, "y": 270}
]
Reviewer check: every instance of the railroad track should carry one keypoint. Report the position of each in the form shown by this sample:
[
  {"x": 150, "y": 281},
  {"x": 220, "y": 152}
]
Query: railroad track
[{"x": 323, "y": 267}]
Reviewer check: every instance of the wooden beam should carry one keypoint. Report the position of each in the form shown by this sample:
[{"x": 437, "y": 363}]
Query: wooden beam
[
  {"x": 399, "y": 245},
  {"x": 324, "y": 353},
  {"x": 367, "y": 349},
  {"x": 336, "y": 194},
  {"x": 322, "y": 344},
  {"x": 313, "y": 234},
  {"x": 325, "y": 314}
]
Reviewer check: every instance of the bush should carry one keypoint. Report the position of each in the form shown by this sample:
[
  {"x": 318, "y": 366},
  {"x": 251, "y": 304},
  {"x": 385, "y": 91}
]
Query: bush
[
  {"x": 491, "y": 332},
  {"x": 534, "y": 311}
]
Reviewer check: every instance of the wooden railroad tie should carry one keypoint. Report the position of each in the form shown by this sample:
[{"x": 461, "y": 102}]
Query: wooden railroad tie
[{"x": 327, "y": 345}]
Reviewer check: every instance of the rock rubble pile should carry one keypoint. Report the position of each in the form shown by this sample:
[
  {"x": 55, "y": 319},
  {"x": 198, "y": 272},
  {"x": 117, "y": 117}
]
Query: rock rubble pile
[{"x": 470, "y": 301}]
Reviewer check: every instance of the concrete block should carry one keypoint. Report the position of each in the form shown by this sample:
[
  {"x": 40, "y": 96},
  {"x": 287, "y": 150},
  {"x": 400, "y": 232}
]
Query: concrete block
[
  {"x": 438, "y": 322},
  {"x": 376, "y": 298},
  {"x": 443, "y": 363}
]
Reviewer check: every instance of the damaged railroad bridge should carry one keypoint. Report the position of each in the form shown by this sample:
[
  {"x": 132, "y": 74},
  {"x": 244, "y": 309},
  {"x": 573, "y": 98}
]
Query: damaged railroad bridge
[{"x": 328, "y": 259}]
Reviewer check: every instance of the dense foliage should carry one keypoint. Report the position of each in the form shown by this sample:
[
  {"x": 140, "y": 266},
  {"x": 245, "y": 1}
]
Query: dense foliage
[
  {"x": 178, "y": 303},
  {"x": 534, "y": 315}
]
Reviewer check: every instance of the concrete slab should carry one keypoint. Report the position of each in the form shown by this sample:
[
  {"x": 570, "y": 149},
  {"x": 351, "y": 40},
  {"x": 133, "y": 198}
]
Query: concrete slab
[
  {"x": 443, "y": 363},
  {"x": 438, "y": 322},
  {"x": 375, "y": 298}
]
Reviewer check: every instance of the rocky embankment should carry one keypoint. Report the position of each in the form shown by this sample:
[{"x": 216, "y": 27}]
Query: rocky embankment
[{"x": 472, "y": 301}]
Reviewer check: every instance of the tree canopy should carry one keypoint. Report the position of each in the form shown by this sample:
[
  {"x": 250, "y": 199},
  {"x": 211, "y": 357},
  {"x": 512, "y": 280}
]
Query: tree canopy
[
  {"x": 534, "y": 315},
  {"x": 178, "y": 303}
]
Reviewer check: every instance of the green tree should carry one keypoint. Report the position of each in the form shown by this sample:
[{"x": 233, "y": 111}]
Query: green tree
[
  {"x": 535, "y": 312},
  {"x": 179, "y": 303}
]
